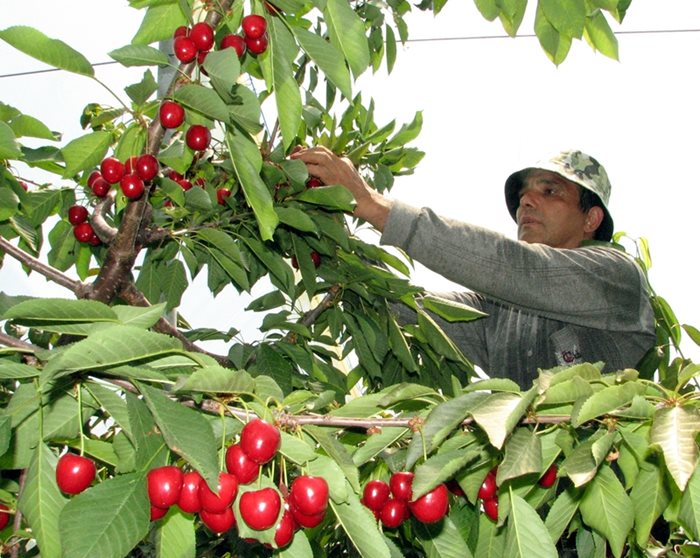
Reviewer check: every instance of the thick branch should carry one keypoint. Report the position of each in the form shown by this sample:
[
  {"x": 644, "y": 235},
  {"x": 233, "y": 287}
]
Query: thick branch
[
  {"x": 47, "y": 271},
  {"x": 104, "y": 230},
  {"x": 310, "y": 317}
]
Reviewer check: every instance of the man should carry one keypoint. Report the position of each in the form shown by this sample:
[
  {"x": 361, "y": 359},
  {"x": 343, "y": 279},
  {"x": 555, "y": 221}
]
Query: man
[{"x": 551, "y": 299}]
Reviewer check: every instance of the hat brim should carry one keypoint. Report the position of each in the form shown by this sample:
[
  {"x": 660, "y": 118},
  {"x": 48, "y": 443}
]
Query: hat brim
[{"x": 514, "y": 184}]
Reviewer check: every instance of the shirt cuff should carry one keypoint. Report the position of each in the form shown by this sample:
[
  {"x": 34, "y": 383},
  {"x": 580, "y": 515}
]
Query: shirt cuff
[{"x": 400, "y": 224}]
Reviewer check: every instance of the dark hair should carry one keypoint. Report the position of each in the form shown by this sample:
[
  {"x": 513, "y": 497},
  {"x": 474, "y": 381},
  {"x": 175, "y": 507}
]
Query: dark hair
[{"x": 586, "y": 201}]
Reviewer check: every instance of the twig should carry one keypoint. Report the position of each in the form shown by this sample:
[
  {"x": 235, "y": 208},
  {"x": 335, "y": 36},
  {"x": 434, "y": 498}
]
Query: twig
[
  {"x": 14, "y": 553},
  {"x": 312, "y": 315},
  {"x": 51, "y": 273},
  {"x": 104, "y": 230}
]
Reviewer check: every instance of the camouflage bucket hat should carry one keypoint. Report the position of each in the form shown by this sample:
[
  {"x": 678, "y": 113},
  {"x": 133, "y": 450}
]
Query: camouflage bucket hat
[{"x": 577, "y": 167}]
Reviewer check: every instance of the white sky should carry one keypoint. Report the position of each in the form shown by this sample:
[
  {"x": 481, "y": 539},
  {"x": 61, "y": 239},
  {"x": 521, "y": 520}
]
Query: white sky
[{"x": 490, "y": 106}]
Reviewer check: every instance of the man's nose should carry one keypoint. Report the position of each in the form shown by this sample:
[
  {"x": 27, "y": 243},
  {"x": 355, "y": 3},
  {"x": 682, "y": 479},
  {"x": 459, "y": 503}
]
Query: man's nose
[{"x": 528, "y": 198}]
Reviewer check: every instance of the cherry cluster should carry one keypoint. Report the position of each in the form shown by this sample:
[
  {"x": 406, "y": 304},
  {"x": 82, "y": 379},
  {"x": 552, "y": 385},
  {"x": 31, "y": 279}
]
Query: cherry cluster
[
  {"x": 261, "y": 509},
  {"x": 193, "y": 42},
  {"x": 392, "y": 503},
  {"x": 4, "y": 516},
  {"x": 172, "y": 115},
  {"x": 254, "y": 38},
  {"x": 131, "y": 176}
]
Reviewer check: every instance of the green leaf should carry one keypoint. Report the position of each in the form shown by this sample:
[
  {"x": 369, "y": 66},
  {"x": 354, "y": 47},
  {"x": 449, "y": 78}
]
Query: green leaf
[
  {"x": 50, "y": 51},
  {"x": 296, "y": 450},
  {"x": 493, "y": 415},
  {"x": 244, "y": 109},
  {"x": 332, "y": 197},
  {"x": 399, "y": 345},
  {"x": 41, "y": 501},
  {"x": 440, "y": 423},
  {"x": 107, "y": 520},
  {"x": 377, "y": 443},
  {"x": 186, "y": 432},
  {"x": 523, "y": 455},
  {"x": 526, "y": 534},
  {"x": 437, "y": 338},
  {"x": 247, "y": 163},
  {"x": 223, "y": 69},
  {"x": 296, "y": 218},
  {"x": 150, "y": 448},
  {"x": 347, "y": 33},
  {"x": 491, "y": 541},
  {"x": 174, "y": 281},
  {"x": 159, "y": 22},
  {"x": 223, "y": 242},
  {"x": 566, "y": 17},
  {"x": 442, "y": 540},
  {"x": 582, "y": 463},
  {"x": 28, "y": 126},
  {"x": 110, "y": 346},
  {"x": 9, "y": 146},
  {"x": 600, "y": 36},
  {"x": 339, "y": 462},
  {"x": 674, "y": 430},
  {"x": 328, "y": 58},
  {"x": 360, "y": 526},
  {"x": 605, "y": 401},
  {"x": 556, "y": 44},
  {"x": 451, "y": 310},
  {"x": 175, "y": 535},
  {"x": 60, "y": 310},
  {"x": 287, "y": 95},
  {"x": 203, "y": 100},
  {"x": 606, "y": 507},
  {"x": 440, "y": 468},
  {"x": 689, "y": 513},
  {"x": 17, "y": 371},
  {"x": 650, "y": 496},
  {"x": 562, "y": 512},
  {"x": 139, "y": 316},
  {"x": 86, "y": 152},
  {"x": 216, "y": 379},
  {"x": 139, "y": 55}
]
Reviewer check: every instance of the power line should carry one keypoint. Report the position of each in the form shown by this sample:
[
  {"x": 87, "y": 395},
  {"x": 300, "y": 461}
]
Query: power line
[{"x": 427, "y": 40}]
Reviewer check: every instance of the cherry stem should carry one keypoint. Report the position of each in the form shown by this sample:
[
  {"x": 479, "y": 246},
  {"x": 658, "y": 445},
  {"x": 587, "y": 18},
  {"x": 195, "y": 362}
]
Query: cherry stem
[
  {"x": 222, "y": 453},
  {"x": 80, "y": 419}
]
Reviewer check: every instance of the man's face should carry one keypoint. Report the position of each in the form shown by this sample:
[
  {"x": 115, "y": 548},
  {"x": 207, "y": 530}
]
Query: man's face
[{"x": 549, "y": 211}]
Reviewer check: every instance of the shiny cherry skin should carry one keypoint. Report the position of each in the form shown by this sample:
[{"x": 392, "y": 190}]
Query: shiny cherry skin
[
  {"x": 256, "y": 45},
  {"x": 112, "y": 169},
  {"x": 401, "y": 485},
  {"x": 432, "y": 506},
  {"x": 100, "y": 187},
  {"x": 77, "y": 214},
  {"x": 132, "y": 186},
  {"x": 260, "y": 508},
  {"x": 218, "y": 522},
  {"x": 254, "y": 26},
  {"x": 198, "y": 137},
  {"x": 74, "y": 473},
  {"x": 222, "y": 194},
  {"x": 5, "y": 518},
  {"x": 236, "y": 42},
  {"x": 550, "y": 476},
  {"x": 239, "y": 464},
  {"x": 260, "y": 440},
  {"x": 491, "y": 508},
  {"x": 164, "y": 486},
  {"x": 375, "y": 494},
  {"x": 158, "y": 513},
  {"x": 488, "y": 488},
  {"x": 83, "y": 232},
  {"x": 227, "y": 488},
  {"x": 189, "y": 501},
  {"x": 393, "y": 513},
  {"x": 284, "y": 531},
  {"x": 184, "y": 49},
  {"x": 146, "y": 167},
  {"x": 309, "y": 494},
  {"x": 202, "y": 35},
  {"x": 171, "y": 114}
]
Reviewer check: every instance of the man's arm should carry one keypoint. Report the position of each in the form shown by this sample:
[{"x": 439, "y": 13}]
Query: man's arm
[{"x": 371, "y": 206}]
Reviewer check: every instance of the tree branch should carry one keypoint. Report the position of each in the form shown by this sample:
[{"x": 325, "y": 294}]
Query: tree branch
[{"x": 51, "y": 273}]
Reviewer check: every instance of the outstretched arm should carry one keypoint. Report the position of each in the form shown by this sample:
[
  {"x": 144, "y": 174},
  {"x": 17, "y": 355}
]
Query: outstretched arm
[{"x": 371, "y": 206}]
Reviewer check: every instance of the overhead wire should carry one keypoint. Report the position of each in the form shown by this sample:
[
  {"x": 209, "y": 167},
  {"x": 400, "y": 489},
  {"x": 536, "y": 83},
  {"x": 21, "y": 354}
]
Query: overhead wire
[{"x": 426, "y": 40}]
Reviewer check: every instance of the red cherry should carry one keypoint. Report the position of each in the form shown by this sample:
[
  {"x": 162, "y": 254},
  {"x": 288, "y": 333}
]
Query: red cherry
[
  {"x": 201, "y": 57},
  {"x": 157, "y": 513},
  {"x": 488, "y": 488},
  {"x": 94, "y": 240},
  {"x": 315, "y": 258},
  {"x": 74, "y": 473},
  {"x": 375, "y": 494},
  {"x": 304, "y": 520},
  {"x": 185, "y": 50},
  {"x": 239, "y": 464},
  {"x": 182, "y": 31},
  {"x": 77, "y": 214},
  {"x": 5, "y": 518},
  {"x": 549, "y": 477},
  {"x": 218, "y": 522},
  {"x": 132, "y": 186},
  {"x": 184, "y": 184},
  {"x": 491, "y": 508},
  {"x": 453, "y": 486},
  {"x": 174, "y": 175},
  {"x": 222, "y": 194},
  {"x": 23, "y": 185},
  {"x": 254, "y": 26},
  {"x": 260, "y": 440},
  {"x": 83, "y": 233},
  {"x": 130, "y": 165},
  {"x": 198, "y": 137},
  {"x": 284, "y": 532},
  {"x": 189, "y": 494},
  {"x": 146, "y": 167},
  {"x": 226, "y": 491},
  {"x": 234, "y": 41},
  {"x": 171, "y": 114},
  {"x": 202, "y": 35},
  {"x": 256, "y": 45},
  {"x": 309, "y": 494},
  {"x": 313, "y": 182},
  {"x": 164, "y": 486},
  {"x": 431, "y": 507},
  {"x": 100, "y": 187},
  {"x": 112, "y": 170},
  {"x": 94, "y": 175},
  {"x": 260, "y": 508},
  {"x": 393, "y": 513},
  {"x": 401, "y": 485},
  {"x": 272, "y": 9}
]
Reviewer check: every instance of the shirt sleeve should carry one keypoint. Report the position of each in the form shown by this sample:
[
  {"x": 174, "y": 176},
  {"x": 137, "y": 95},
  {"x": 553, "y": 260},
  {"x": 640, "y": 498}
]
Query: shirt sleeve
[{"x": 594, "y": 286}]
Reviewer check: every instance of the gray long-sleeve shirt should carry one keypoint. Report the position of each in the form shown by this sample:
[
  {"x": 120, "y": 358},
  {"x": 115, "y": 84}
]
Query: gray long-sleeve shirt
[{"x": 546, "y": 306}]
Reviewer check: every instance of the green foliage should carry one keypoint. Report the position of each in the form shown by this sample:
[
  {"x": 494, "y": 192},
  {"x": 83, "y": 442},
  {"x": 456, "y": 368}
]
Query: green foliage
[{"x": 118, "y": 376}]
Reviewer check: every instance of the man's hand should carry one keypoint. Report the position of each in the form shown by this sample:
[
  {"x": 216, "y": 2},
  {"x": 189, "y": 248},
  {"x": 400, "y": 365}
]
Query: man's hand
[{"x": 331, "y": 169}]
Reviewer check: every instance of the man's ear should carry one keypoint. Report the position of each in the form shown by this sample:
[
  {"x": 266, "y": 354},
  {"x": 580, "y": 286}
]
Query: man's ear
[{"x": 593, "y": 219}]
